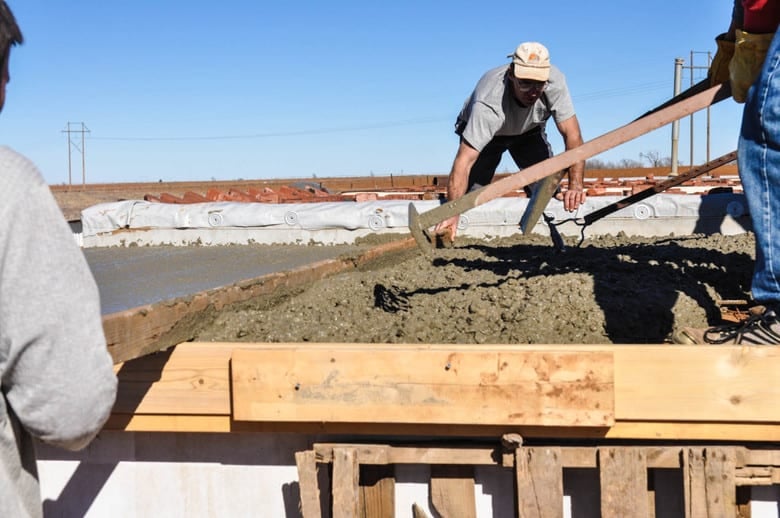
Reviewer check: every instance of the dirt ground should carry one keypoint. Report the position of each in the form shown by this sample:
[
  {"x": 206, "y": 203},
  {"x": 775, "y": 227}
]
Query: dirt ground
[{"x": 517, "y": 290}]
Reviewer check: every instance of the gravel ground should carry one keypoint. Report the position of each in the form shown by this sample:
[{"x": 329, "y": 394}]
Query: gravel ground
[{"x": 612, "y": 289}]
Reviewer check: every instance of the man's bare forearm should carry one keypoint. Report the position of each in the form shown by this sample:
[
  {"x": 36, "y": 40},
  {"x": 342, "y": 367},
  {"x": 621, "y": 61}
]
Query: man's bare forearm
[
  {"x": 461, "y": 167},
  {"x": 456, "y": 186},
  {"x": 577, "y": 176}
]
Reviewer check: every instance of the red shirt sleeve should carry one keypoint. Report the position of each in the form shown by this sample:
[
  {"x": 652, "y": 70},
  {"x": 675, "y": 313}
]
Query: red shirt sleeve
[{"x": 761, "y": 16}]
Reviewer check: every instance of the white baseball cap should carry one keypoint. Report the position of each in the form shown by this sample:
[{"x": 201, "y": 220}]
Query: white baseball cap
[{"x": 531, "y": 60}]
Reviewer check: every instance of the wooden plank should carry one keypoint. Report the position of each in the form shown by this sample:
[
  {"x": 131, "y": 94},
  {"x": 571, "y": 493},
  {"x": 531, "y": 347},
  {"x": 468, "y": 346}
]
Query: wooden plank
[
  {"x": 663, "y": 457},
  {"x": 307, "y": 482},
  {"x": 755, "y": 476},
  {"x": 169, "y": 423},
  {"x": 173, "y": 422},
  {"x": 719, "y": 466},
  {"x": 195, "y": 380},
  {"x": 623, "y": 477},
  {"x": 713, "y": 430},
  {"x": 726, "y": 383},
  {"x": 380, "y": 454},
  {"x": 452, "y": 491},
  {"x": 377, "y": 491},
  {"x": 694, "y": 484},
  {"x": 187, "y": 380},
  {"x": 587, "y": 457},
  {"x": 758, "y": 457},
  {"x": 444, "y": 387},
  {"x": 187, "y": 389},
  {"x": 346, "y": 496},
  {"x": 539, "y": 479},
  {"x": 488, "y": 455}
]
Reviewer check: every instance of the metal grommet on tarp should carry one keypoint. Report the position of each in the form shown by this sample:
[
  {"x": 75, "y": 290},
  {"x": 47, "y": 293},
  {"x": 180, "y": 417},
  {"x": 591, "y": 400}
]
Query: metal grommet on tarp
[
  {"x": 463, "y": 222},
  {"x": 215, "y": 219},
  {"x": 642, "y": 211},
  {"x": 376, "y": 222},
  {"x": 291, "y": 218},
  {"x": 735, "y": 209}
]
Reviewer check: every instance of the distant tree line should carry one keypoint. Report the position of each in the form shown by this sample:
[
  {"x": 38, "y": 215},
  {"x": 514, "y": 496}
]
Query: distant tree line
[{"x": 648, "y": 159}]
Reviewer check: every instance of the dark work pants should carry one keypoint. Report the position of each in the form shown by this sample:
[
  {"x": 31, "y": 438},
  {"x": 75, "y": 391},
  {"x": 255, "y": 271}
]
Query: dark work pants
[{"x": 526, "y": 150}]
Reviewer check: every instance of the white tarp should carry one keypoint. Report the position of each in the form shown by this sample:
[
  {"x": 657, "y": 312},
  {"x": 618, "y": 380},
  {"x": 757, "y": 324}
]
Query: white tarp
[{"x": 344, "y": 221}]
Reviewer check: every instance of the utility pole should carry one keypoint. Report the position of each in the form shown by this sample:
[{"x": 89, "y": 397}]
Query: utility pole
[
  {"x": 693, "y": 68},
  {"x": 79, "y": 146},
  {"x": 678, "y": 64},
  {"x": 709, "y": 64}
]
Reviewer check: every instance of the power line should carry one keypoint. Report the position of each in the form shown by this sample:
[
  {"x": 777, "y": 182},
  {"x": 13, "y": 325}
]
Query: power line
[
  {"x": 617, "y": 92},
  {"x": 597, "y": 95},
  {"x": 318, "y": 131}
]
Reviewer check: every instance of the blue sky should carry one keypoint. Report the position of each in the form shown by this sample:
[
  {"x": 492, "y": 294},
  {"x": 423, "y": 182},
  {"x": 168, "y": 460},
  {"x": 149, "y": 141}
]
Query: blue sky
[{"x": 174, "y": 91}]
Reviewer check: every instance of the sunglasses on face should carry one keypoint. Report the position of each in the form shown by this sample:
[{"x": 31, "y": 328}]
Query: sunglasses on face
[{"x": 525, "y": 85}]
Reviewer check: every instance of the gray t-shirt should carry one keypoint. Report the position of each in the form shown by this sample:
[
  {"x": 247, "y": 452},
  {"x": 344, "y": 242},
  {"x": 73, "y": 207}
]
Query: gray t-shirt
[
  {"x": 56, "y": 375},
  {"x": 492, "y": 110}
]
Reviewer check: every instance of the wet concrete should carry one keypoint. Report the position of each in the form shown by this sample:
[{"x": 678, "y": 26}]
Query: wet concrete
[
  {"x": 614, "y": 289},
  {"x": 136, "y": 276},
  {"x": 520, "y": 289}
]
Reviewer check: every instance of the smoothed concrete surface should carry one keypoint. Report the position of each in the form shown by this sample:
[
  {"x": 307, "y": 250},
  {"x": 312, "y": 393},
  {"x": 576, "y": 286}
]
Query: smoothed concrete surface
[{"x": 135, "y": 276}]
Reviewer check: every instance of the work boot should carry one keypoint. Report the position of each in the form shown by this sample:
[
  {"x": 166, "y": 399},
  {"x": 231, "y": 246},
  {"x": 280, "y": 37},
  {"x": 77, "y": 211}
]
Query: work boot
[{"x": 761, "y": 328}]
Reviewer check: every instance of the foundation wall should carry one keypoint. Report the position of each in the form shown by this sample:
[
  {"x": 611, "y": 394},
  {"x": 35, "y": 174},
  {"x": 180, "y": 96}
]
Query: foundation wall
[{"x": 131, "y": 474}]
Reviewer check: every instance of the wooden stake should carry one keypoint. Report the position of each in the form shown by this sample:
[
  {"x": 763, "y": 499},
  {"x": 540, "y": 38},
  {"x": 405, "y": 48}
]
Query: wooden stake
[
  {"x": 345, "y": 483},
  {"x": 719, "y": 467},
  {"x": 623, "y": 475},
  {"x": 452, "y": 491},
  {"x": 307, "y": 483},
  {"x": 539, "y": 476},
  {"x": 377, "y": 491}
]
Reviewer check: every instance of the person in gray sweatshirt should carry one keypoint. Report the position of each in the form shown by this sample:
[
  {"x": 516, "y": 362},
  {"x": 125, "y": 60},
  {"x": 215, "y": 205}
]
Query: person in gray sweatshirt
[{"x": 56, "y": 375}]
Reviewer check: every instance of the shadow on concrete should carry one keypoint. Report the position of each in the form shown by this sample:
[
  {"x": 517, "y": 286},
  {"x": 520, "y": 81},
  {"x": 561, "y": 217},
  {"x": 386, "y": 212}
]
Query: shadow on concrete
[{"x": 635, "y": 285}]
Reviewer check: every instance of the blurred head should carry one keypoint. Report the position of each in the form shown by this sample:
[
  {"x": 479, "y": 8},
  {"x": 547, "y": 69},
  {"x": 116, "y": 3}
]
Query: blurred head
[{"x": 10, "y": 35}]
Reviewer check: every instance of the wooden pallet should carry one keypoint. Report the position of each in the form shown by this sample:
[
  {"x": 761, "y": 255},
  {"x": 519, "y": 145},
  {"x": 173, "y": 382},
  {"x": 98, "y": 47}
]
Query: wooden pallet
[
  {"x": 621, "y": 411},
  {"x": 357, "y": 480}
]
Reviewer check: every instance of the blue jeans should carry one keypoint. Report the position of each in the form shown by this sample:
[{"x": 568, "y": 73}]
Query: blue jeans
[{"x": 758, "y": 156}]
